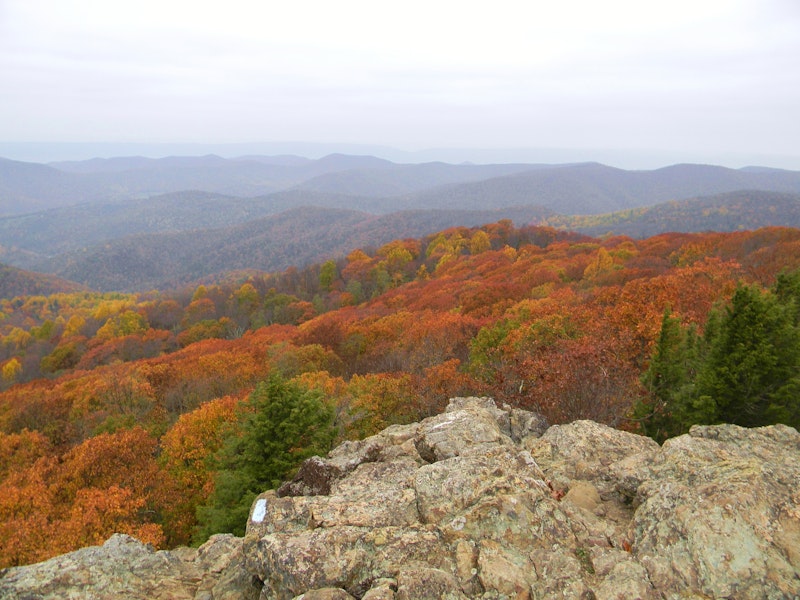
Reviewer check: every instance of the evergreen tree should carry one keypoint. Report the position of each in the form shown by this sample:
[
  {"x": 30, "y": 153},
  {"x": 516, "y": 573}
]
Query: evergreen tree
[
  {"x": 744, "y": 370},
  {"x": 280, "y": 425},
  {"x": 787, "y": 288},
  {"x": 751, "y": 375},
  {"x": 667, "y": 379}
]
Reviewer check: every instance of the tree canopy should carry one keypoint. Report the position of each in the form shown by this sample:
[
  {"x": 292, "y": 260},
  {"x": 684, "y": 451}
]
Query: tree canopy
[{"x": 549, "y": 321}]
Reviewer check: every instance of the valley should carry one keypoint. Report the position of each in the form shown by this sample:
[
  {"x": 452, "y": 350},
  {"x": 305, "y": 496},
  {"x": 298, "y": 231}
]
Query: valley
[{"x": 135, "y": 224}]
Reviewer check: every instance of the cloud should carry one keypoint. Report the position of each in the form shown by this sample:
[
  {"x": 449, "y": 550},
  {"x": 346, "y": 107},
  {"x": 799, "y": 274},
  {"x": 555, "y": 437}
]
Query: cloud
[{"x": 575, "y": 72}]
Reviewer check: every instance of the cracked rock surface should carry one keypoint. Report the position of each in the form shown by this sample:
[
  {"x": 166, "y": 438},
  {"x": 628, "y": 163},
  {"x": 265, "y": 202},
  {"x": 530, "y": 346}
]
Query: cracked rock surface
[{"x": 487, "y": 502}]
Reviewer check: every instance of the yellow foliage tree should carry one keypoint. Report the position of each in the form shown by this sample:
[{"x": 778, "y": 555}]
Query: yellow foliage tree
[
  {"x": 479, "y": 242},
  {"x": 74, "y": 326},
  {"x": 377, "y": 401},
  {"x": 601, "y": 264},
  {"x": 11, "y": 370}
]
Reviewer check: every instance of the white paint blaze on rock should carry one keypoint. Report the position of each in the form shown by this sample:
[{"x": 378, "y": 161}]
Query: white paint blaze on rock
[
  {"x": 475, "y": 504},
  {"x": 582, "y": 510},
  {"x": 259, "y": 510}
]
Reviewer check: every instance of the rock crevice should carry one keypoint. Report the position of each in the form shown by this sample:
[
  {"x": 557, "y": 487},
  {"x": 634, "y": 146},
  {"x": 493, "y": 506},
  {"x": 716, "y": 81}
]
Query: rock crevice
[{"x": 488, "y": 502}]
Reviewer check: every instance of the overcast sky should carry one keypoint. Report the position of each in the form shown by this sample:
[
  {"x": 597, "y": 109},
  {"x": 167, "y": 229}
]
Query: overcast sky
[{"x": 713, "y": 80}]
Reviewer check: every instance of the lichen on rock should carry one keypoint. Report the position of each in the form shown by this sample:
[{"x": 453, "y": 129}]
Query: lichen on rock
[
  {"x": 123, "y": 567},
  {"x": 484, "y": 501},
  {"x": 507, "y": 509}
]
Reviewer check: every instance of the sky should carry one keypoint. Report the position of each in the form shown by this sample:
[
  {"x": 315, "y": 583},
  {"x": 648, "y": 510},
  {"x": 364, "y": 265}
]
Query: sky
[{"x": 682, "y": 81}]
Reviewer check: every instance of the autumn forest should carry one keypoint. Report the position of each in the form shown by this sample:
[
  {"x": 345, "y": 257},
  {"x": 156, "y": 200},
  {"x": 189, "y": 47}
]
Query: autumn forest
[{"x": 116, "y": 409}]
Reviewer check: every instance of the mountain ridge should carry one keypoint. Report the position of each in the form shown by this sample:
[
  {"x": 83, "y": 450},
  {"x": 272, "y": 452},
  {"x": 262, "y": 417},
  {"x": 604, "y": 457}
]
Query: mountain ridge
[
  {"x": 97, "y": 248},
  {"x": 729, "y": 211},
  {"x": 592, "y": 188},
  {"x": 19, "y": 282},
  {"x": 113, "y": 237},
  {"x": 417, "y": 184}
]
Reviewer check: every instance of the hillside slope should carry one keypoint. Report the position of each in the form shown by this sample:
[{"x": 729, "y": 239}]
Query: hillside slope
[
  {"x": 17, "y": 282},
  {"x": 593, "y": 188},
  {"x": 99, "y": 246},
  {"x": 731, "y": 211},
  {"x": 296, "y": 237},
  {"x": 29, "y": 187},
  {"x": 114, "y": 407}
]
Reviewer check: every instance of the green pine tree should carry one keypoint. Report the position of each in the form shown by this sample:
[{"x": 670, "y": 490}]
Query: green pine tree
[
  {"x": 669, "y": 379},
  {"x": 751, "y": 375},
  {"x": 787, "y": 289},
  {"x": 280, "y": 425},
  {"x": 745, "y": 369}
]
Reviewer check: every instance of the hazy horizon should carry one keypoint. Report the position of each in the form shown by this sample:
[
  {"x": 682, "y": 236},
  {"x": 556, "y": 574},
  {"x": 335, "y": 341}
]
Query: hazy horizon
[
  {"x": 46, "y": 153},
  {"x": 630, "y": 84}
]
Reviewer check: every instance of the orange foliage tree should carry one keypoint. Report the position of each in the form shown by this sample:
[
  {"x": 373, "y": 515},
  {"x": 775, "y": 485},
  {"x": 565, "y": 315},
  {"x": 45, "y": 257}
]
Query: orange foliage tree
[{"x": 186, "y": 471}]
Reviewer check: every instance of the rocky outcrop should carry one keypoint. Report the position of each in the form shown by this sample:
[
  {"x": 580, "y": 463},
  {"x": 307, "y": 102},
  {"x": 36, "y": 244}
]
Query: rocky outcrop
[
  {"x": 123, "y": 567},
  {"x": 482, "y": 502},
  {"x": 487, "y": 502}
]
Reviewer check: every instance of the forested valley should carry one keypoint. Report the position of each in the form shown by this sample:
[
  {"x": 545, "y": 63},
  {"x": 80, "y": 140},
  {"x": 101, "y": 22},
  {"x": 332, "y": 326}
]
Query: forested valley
[
  {"x": 134, "y": 224},
  {"x": 144, "y": 413}
]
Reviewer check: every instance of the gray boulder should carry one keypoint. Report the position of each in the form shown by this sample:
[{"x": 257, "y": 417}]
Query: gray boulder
[
  {"x": 484, "y": 501},
  {"x": 123, "y": 567},
  {"x": 719, "y": 513}
]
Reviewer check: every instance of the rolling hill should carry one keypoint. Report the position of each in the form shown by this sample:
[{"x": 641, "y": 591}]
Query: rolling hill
[
  {"x": 588, "y": 188},
  {"x": 399, "y": 180},
  {"x": 31, "y": 238},
  {"x": 595, "y": 189},
  {"x": 103, "y": 225},
  {"x": 18, "y": 282},
  {"x": 731, "y": 211},
  {"x": 30, "y": 187},
  {"x": 296, "y": 237},
  {"x": 300, "y": 236}
]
